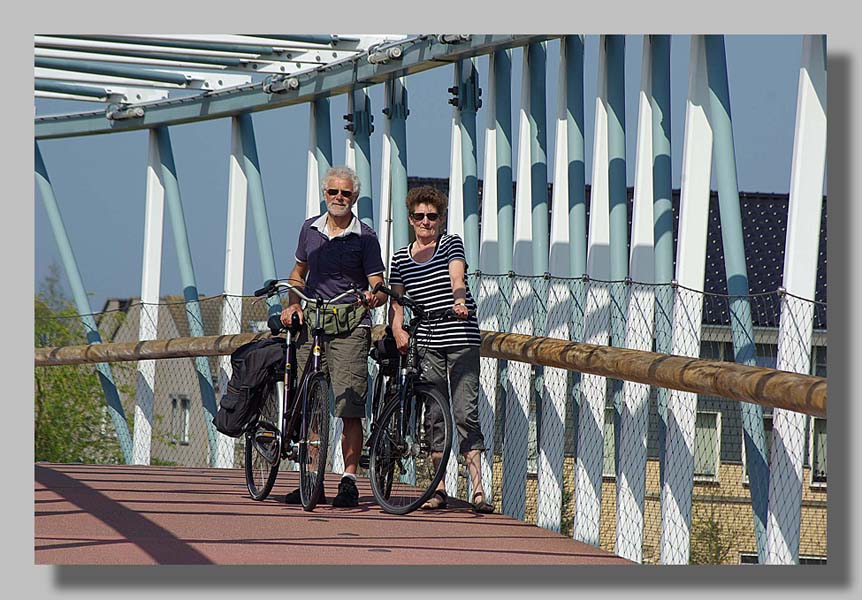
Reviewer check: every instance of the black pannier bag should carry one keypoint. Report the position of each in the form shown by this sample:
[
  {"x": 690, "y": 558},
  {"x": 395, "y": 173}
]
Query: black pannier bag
[
  {"x": 256, "y": 367},
  {"x": 385, "y": 352}
]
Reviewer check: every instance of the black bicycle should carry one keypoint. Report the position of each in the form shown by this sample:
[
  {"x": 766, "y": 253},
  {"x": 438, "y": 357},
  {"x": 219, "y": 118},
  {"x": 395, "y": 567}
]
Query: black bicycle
[
  {"x": 411, "y": 438},
  {"x": 303, "y": 411}
]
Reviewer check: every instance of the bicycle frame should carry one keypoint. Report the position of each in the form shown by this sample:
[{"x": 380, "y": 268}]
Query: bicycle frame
[
  {"x": 291, "y": 409},
  {"x": 409, "y": 370}
]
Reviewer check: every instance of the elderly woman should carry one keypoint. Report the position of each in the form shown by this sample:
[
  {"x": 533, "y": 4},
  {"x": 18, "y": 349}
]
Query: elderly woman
[{"x": 431, "y": 271}]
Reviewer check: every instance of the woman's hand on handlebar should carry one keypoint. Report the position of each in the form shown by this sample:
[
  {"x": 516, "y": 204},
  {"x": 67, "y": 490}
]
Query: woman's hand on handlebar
[
  {"x": 460, "y": 311},
  {"x": 402, "y": 338},
  {"x": 288, "y": 311}
]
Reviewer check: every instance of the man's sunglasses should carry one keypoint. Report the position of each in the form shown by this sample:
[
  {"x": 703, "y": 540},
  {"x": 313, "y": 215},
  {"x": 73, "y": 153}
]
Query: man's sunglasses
[
  {"x": 333, "y": 192},
  {"x": 416, "y": 216}
]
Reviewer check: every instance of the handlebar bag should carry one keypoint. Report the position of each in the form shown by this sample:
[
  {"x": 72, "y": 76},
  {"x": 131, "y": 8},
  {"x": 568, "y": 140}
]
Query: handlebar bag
[{"x": 337, "y": 318}]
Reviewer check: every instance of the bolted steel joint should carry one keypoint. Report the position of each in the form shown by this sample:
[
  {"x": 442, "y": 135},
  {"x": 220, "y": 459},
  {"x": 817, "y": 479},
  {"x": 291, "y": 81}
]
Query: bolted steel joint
[
  {"x": 277, "y": 85},
  {"x": 116, "y": 112},
  {"x": 380, "y": 57},
  {"x": 452, "y": 38}
]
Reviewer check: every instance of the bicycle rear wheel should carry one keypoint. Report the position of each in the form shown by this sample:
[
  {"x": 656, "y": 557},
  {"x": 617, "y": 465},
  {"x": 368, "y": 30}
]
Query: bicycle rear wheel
[
  {"x": 408, "y": 463},
  {"x": 313, "y": 448},
  {"x": 263, "y": 449}
]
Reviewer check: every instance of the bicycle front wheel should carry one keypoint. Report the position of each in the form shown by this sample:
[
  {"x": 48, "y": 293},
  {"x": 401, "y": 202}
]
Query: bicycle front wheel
[
  {"x": 263, "y": 449},
  {"x": 383, "y": 475},
  {"x": 409, "y": 451},
  {"x": 314, "y": 446}
]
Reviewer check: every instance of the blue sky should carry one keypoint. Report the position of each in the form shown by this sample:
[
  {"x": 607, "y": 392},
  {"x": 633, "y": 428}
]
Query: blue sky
[{"x": 99, "y": 181}]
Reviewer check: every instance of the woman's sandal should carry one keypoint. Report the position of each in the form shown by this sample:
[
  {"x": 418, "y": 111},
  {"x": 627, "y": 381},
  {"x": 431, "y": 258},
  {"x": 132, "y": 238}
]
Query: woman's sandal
[
  {"x": 438, "y": 500},
  {"x": 483, "y": 506}
]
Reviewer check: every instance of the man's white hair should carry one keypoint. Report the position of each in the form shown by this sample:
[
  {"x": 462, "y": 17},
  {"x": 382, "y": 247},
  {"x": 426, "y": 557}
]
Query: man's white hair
[{"x": 341, "y": 172}]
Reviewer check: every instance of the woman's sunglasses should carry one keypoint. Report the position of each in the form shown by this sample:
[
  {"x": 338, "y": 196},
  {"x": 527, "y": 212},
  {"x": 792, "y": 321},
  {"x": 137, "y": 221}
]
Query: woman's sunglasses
[
  {"x": 333, "y": 192},
  {"x": 419, "y": 216}
]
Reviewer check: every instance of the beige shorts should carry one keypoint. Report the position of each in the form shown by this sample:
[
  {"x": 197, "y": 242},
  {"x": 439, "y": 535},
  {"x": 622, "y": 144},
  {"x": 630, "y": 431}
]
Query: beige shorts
[{"x": 349, "y": 379}]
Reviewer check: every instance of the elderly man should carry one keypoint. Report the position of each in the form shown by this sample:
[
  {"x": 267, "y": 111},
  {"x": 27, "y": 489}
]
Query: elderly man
[{"x": 336, "y": 251}]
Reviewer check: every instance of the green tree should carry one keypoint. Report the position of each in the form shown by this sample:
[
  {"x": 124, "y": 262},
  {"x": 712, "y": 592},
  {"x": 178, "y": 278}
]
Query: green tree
[
  {"x": 712, "y": 540},
  {"x": 71, "y": 424}
]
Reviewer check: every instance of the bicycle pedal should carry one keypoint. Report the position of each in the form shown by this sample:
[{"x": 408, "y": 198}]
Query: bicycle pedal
[
  {"x": 364, "y": 461},
  {"x": 265, "y": 436}
]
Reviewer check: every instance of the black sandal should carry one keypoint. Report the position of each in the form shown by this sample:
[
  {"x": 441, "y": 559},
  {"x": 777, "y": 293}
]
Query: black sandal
[
  {"x": 483, "y": 506},
  {"x": 438, "y": 500}
]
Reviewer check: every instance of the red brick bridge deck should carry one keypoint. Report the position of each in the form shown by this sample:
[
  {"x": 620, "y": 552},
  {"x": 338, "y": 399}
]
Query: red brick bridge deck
[{"x": 130, "y": 515}]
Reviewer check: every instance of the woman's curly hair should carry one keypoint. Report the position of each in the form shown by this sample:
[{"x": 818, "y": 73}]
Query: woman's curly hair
[{"x": 426, "y": 194}]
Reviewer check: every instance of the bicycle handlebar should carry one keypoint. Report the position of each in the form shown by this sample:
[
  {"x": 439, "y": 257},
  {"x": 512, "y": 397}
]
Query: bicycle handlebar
[
  {"x": 271, "y": 286},
  {"x": 417, "y": 308},
  {"x": 399, "y": 298}
]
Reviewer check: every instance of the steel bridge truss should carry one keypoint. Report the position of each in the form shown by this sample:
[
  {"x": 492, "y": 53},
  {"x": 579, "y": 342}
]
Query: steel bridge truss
[{"x": 154, "y": 82}]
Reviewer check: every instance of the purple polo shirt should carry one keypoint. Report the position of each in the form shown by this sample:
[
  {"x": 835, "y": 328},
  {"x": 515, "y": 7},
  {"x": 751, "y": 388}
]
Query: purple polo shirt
[{"x": 334, "y": 264}]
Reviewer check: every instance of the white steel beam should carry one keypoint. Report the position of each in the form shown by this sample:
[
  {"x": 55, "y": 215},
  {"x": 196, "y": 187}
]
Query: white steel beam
[
  {"x": 384, "y": 230},
  {"x": 149, "y": 315},
  {"x": 519, "y": 373},
  {"x": 631, "y": 484},
  {"x": 115, "y": 93},
  {"x": 676, "y": 493},
  {"x": 234, "y": 261},
  {"x": 195, "y": 80},
  {"x": 245, "y": 65},
  {"x": 488, "y": 294},
  {"x": 290, "y": 61},
  {"x": 455, "y": 210},
  {"x": 550, "y": 468},
  {"x": 313, "y": 174},
  {"x": 797, "y": 316},
  {"x": 83, "y": 44},
  {"x": 350, "y": 41},
  {"x": 455, "y": 225},
  {"x": 591, "y": 418}
]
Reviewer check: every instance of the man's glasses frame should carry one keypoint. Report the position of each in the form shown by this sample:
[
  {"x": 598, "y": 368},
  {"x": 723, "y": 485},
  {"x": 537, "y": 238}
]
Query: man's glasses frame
[{"x": 333, "y": 192}]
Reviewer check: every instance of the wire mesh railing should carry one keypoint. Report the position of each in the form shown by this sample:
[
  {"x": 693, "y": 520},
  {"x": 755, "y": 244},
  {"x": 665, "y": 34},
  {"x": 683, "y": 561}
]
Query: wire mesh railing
[{"x": 578, "y": 453}]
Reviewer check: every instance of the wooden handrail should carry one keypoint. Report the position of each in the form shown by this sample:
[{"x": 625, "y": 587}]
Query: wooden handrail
[{"x": 766, "y": 387}]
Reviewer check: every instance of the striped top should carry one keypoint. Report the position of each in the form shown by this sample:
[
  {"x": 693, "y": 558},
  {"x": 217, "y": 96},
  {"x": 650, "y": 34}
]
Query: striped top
[{"x": 428, "y": 284}]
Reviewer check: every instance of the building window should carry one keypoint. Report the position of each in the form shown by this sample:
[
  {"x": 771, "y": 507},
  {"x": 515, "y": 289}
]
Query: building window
[
  {"x": 818, "y": 361},
  {"x": 818, "y": 452},
  {"x": 180, "y": 416},
  {"x": 750, "y": 558},
  {"x": 767, "y": 442},
  {"x": 608, "y": 464},
  {"x": 767, "y": 355},
  {"x": 707, "y": 440}
]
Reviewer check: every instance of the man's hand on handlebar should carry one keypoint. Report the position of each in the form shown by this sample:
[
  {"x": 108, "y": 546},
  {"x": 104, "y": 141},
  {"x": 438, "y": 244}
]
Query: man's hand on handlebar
[
  {"x": 370, "y": 299},
  {"x": 288, "y": 311}
]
